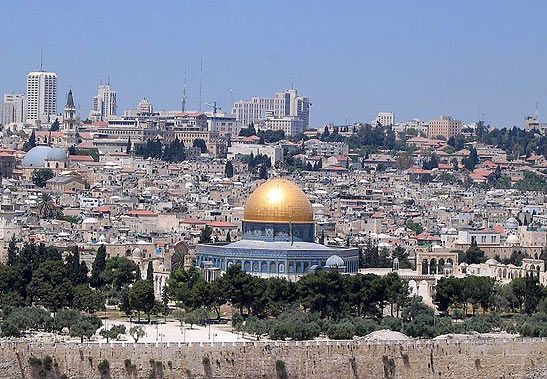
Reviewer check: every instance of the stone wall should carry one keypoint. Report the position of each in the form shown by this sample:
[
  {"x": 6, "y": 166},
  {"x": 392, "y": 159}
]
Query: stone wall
[{"x": 522, "y": 358}]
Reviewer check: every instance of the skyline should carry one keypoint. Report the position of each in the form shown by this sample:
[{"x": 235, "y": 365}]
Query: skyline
[{"x": 363, "y": 65}]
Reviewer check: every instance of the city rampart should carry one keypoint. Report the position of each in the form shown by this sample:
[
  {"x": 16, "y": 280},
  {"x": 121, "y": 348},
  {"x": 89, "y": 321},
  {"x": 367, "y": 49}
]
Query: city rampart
[{"x": 520, "y": 358}]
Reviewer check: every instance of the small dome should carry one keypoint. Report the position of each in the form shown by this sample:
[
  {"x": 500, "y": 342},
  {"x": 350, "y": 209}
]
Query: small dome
[
  {"x": 7, "y": 191},
  {"x": 512, "y": 240},
  {"x": 335, "y": 261},
  {"x": 511, "y": 223},
  {"x": 491, "y": 261},
  {"x": 102, "y": 237},
  {"x": 137, "y": 253},
  {"x": 56, "y": 154}
]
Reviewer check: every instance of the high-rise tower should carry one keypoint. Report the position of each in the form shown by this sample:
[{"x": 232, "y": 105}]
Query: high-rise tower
[
  {"x": 41, "y": 95},
  {"x": 104, "y": 104}
]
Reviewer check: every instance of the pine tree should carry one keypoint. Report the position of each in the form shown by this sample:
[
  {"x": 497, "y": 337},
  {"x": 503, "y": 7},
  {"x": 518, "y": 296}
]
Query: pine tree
[
  {"x": 31, "y": 142},
  {"x": 128, "y": 148},
  {"x": 150, "y": 272},
  {"x": 228, "y": 237}
]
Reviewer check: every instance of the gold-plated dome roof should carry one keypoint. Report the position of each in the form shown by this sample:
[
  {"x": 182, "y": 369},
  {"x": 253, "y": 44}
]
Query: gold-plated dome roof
[{"x": 278, "y": 200}]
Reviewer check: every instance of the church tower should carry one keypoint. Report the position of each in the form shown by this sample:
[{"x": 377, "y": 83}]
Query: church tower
[{"x": 70, "y": 120}]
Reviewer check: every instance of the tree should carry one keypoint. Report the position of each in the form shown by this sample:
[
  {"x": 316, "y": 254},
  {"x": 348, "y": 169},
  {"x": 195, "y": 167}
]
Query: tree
[
  {"x": 263, "y": 172},
  {"x": 50, "y": 286},
  {"x": 396, "y": 292},
  {"x": 54, "y": 126},
  {"x": 99, "y": 265},
  {"x": 141, "y": 297},
  {"x": 326, "y": 132},
  {"x": 31, "y": 142},
  {"x": 66, "y": 318},
  {"x": 402, "y": 255},
  {"x": 533, "y": 294},
  {"x": 46, "y": 207},
  {"x": 137, "y": 332},
  {"x": 124, "y": 305},
  {"x": 85, "y": 327},
  {"x": 471, "y": 161},
  {"x": 238, "y": 288},
  {"x": 249, "y": 131},
  {"x": 205, "y": 236},
  {"x": 128, "y": 146},
  {"x": 165, "y": 302},
  {"x": 446, "y": 293},
  {"x": 229, "y": 169},
  {"x": 87, "y": 299},
  {"x": 472, "y": 255},
  {"x": 120, "y": 271},
  {"x": 113, "y": 333},
  {"x": 416, "y": 227},
  {"x": 150, "y": 272},
  {"x": 41, "y": 176},
  {"x": 77, "y": 272},
  {"x": 419, "y": 319},
  {"x": 228, "y": 237},
  {"x": 12, "y": 251},
  {"x": 200, "y": 142}
]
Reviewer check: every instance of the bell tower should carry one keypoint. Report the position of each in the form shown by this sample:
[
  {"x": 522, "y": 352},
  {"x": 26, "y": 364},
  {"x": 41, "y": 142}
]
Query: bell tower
[{"x": 70, "y": 120}]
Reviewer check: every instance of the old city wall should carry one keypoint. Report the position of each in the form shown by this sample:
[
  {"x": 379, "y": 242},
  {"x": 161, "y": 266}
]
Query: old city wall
[{"x": 418, "y": 359}]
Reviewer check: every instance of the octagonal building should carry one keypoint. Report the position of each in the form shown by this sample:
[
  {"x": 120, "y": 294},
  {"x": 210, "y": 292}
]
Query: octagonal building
[{"x": 278, "y": 237}]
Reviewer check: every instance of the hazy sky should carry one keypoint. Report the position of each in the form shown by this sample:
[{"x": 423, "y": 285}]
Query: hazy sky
[{"x": 352, "y": 58}]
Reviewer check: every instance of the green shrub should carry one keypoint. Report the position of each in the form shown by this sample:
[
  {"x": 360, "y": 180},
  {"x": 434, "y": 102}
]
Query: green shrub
[
  {"x": 343, "y": 330},
  {"x": 104, "y": 366}
]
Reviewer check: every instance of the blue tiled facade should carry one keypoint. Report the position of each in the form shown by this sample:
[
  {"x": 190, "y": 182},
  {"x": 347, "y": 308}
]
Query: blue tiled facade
[{"x": 276, "y": 249}]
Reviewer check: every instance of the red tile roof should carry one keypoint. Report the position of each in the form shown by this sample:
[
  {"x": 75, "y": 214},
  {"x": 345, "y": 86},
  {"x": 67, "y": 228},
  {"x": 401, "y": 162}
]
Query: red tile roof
[{"x": 81, "y": 158}]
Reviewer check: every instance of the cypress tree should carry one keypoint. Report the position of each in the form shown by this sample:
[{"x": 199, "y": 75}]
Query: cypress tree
[
  {"x": 12, "y": 252},
  {"x": 150, "y": 272}
]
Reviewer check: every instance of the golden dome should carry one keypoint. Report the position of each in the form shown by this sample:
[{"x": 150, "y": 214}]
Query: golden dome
[{"x": 278, "y": 200}]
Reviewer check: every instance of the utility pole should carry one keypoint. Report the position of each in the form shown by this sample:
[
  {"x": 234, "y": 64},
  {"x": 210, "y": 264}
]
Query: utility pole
[{"x": 184, "y": 93}]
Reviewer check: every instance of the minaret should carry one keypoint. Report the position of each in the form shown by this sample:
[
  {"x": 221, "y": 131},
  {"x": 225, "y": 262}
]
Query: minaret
[{"x": 70, "y": 120}]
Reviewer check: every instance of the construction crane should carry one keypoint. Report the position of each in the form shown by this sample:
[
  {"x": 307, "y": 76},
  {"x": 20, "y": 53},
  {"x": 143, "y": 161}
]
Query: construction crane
[{"x": 215, "y": 108}]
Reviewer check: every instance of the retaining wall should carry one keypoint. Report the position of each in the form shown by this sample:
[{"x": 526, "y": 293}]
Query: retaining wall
[{"x": 521, "y": 358}]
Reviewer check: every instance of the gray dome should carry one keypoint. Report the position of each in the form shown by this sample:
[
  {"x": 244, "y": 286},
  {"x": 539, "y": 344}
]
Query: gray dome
[
  {"x": 57, "y": 154},
  {"x": 511, "y": 223},
  {"x": 36, "y": 156},
  {"x": 334, "y": 261}
]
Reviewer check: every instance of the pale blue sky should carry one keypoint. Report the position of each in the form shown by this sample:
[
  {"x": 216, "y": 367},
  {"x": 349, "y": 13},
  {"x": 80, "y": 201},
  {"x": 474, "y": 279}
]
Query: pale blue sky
[{"x": 352, "y": 58}]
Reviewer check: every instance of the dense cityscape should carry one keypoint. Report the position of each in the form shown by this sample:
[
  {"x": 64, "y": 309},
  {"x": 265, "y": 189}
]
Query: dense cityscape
[{"x": 252, "y": 238}]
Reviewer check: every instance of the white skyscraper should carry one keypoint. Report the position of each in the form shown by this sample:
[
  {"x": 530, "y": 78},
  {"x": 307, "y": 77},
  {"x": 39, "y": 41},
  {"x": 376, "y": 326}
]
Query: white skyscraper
[
  {"x": 104, "y": 104},
  {"x": 18, "y": 101},
  {"x": 41, "y": 95},
  {"x": 284, "y": 104}
]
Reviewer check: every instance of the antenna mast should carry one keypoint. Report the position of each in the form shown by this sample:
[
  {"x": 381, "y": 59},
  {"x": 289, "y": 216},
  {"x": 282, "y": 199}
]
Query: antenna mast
[
  {"x": 184, "y": 92},
  {"x": 200, "y": 80},
  {"x": 41, "y": 58},
  {"x": 537, "y": 110}
]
